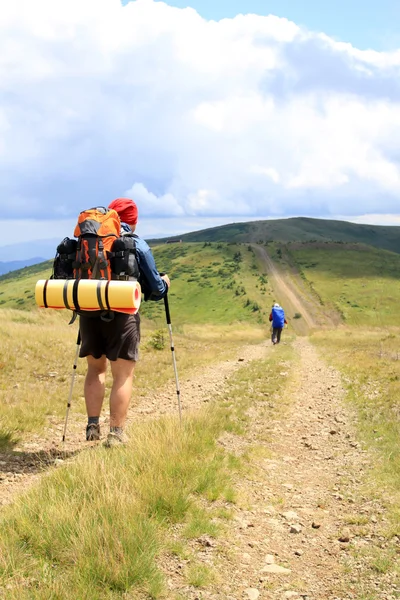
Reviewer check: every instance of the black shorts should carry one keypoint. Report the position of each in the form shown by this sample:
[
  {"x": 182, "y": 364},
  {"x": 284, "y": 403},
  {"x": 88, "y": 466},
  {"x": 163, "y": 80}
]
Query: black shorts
[{"x": 118, "y": 338}]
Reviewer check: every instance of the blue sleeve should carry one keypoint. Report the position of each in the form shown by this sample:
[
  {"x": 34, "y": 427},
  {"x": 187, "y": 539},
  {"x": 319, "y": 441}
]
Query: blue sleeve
[{"x": 153, "y": 286}]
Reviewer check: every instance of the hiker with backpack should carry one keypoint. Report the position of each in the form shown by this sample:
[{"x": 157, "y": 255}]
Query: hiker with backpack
[
  {"x": 108, "y": 248},
  {"x": 277, "y": 318}
]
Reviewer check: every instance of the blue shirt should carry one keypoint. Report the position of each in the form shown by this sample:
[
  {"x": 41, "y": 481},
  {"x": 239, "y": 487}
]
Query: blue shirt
[{"x": 154, "y": 288}]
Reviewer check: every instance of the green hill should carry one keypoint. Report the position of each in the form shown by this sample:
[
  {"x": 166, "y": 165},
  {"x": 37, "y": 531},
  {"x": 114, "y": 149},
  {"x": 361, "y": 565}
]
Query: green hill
[
  {"x": 361, "y": 282},
  {"x": 299, "y": 229},
  {"x": 17, "y": 288},
  {"x": 212, "y": 283}
]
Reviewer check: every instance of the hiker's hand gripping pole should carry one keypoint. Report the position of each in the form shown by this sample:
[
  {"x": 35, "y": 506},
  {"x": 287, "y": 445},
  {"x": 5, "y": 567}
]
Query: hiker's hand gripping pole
[
  {"x": 178, "y": 391},
  {"x": 78, "y": 343}
]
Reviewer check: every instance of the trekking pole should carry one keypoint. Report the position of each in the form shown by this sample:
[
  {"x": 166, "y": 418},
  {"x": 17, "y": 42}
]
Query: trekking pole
[
  {"x": 178, "y": 392},
  {"x": 78, "y": 343}
]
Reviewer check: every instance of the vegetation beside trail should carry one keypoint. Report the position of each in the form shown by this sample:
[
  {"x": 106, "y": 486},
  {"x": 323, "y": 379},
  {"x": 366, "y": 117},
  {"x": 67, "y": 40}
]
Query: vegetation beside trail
[
  {"x": 362, "y": 283},
  {"x": 97, "y": 528}
]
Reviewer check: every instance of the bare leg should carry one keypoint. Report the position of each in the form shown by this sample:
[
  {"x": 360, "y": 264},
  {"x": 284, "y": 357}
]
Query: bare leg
[
  {"x": 94, "y": 388},
  {"x": 120, "y": 397}
]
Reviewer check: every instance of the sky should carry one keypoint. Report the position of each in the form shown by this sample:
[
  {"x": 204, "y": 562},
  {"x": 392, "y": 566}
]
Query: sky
[
  {"x": 363, "y": 23},
  {"x": 224, "y": 111}
]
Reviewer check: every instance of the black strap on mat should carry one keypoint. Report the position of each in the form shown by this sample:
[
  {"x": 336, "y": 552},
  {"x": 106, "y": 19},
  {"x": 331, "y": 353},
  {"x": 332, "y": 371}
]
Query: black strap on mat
[
  {"x": 65, "y": 294},
  {"x": 75, "y": 294},
  {"x": 99, "y": 298},
  {"x": 45, "y": 294},
  {"x": 106, "y": 295}
]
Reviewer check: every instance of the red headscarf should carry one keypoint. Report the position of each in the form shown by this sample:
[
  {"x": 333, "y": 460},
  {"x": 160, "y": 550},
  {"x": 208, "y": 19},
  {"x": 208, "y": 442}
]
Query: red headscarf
[{"x": 126, "y": 209}]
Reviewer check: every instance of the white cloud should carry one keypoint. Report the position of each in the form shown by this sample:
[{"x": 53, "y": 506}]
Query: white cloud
[
  {"x": 252, "y": 116},
  {"x": 150, "y": 204},
  {"x": 267, "y": 172}
]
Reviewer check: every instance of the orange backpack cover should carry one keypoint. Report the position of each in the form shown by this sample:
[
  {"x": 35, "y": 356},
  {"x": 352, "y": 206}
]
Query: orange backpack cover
[{"x": 96, "y": 230}]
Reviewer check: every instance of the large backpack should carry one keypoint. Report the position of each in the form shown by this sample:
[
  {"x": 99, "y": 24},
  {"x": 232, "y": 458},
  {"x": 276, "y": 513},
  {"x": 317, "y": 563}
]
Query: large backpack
[
  {"x": 278, "y": 317},
  {"x": 99, "y": 252},
  {"x": 96, "y": 230}
]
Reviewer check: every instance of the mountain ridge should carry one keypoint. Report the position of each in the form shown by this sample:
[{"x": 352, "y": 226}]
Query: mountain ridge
[
  {"x": 16, "y": 265},
  {"x": 295, "y": 229}
]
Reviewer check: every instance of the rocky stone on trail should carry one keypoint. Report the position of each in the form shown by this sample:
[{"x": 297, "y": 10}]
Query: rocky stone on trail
[
  {"x": 252, "y": 593},
  {"x": 316, "y": 525},
  {"x": 290, "y": 515},
  {"x": 275, "y": 570},
  {"x": 295, "y": 528},
  {"x": 288, "y": 486},
  {"x": 269, "y": 559}
]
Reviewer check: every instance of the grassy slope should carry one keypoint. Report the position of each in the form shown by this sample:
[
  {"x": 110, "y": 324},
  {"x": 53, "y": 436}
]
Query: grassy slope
[
  {"x": 362, "y": 283},
  {"x": 216, "y": 283},
  {"x": 208, "y": 285},
  {"x": 96, "y": 528},
  {"x": 300, "y": 229},
  {"x": 17, "y": 289}
]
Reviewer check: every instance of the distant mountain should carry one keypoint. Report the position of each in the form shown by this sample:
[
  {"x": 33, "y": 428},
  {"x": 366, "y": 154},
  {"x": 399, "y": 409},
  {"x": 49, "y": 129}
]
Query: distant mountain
[
  {"x": 24, "y": 251},
  {"x": 297, "y": 229},
  {"x": 14, "y": 265}
]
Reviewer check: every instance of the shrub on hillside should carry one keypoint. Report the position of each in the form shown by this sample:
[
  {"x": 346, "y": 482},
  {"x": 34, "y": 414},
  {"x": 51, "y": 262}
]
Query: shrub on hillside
[{"x": 157, "y": 340}]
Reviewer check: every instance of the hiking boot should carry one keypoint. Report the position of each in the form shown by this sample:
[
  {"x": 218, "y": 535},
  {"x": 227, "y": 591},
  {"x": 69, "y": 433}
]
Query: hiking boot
[
  {"x": 115, "y": 439},
  {"x": 93, "y": 432}
]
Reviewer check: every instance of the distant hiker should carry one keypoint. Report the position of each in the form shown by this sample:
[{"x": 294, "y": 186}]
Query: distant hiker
[
  {"x": 118, "y": 339},
  {"x": 277, "y": 317}
]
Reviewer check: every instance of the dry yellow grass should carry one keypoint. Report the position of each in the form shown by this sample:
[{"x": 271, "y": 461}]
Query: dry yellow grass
[
  {"x": 38, "y": 350},
  {"x": 95, "y": 527}
]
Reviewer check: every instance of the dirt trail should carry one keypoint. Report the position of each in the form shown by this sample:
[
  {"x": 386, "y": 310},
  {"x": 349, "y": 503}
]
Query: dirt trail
[
  {"x": 291, "y": 293},
  {"x": 286, "y": 543},
  {"x": 287, "y": 296}
]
